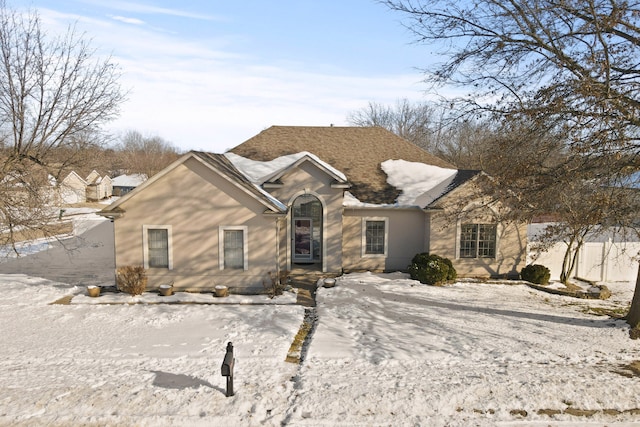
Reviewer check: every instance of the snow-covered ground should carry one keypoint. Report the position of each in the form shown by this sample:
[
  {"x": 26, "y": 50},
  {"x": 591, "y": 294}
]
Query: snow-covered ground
[{"x": 385, "y": 351}]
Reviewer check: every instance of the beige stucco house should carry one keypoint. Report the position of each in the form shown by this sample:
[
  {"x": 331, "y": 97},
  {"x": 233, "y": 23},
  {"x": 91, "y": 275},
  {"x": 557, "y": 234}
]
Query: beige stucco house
[
  {"x": 73, "y": 189},
  {"x": 323, "y": 199},
  {"x": 98, "y": 187}
]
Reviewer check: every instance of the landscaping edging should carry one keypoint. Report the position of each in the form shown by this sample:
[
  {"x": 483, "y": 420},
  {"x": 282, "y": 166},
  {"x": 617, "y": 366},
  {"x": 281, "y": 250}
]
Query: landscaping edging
[
  {"x": 288, "y": 298},
  {"x": 602, "y": 293}
]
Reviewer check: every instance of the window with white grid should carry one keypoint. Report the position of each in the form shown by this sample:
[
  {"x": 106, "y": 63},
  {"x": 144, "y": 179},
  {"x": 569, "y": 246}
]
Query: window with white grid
[{"x": 478, "y": 240}]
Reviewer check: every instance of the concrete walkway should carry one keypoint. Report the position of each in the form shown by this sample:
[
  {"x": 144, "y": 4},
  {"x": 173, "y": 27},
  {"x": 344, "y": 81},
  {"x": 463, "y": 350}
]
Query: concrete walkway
[{"x": 306, "y": 293}]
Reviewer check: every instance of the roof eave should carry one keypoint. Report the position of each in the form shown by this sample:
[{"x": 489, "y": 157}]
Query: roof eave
[
  {"x": 384, "y": 207},
  {"x": 344, "y": 185},
  {"x": 273, "y": 185},
  {"x": 111, "y": 214},
  {"x": 274, "y": 214}
]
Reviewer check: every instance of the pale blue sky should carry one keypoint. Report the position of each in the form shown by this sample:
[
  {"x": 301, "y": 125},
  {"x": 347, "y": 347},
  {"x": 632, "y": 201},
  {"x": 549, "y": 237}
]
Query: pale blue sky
[{"x": 207, "y": 75}]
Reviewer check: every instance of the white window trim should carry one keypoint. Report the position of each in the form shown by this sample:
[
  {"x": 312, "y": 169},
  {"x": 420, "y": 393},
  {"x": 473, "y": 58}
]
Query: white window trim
[
  {"x": 363, "y": 249},
  {"x": 145, "y": 244},
  {"x": 245, "y": 245}
]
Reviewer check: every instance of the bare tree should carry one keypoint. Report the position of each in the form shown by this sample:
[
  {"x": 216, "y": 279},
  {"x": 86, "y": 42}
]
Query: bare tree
[
  {"x": 415, "y": 122},
  {"x": 53, "y": 99},
  {"x": 467, "y": 144},
  {"x": 432, "y": 127},
  {"x": 571, "y": 67},
  {"x": 146, "y": 155},
  {"x": 581, "y": 209},
  {"x": 572, "y": 63}
]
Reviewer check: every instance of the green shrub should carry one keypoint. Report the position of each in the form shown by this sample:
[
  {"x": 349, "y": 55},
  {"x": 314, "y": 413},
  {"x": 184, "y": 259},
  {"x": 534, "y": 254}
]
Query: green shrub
[
  {"x": 536, "y": 273},
  {"x": 131, "y": 279},
  {"x": 431, "y": 269}
]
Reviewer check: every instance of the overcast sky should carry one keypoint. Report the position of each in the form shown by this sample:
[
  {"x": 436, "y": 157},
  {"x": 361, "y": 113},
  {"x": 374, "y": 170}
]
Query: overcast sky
[{"x": 208, "y": 75}]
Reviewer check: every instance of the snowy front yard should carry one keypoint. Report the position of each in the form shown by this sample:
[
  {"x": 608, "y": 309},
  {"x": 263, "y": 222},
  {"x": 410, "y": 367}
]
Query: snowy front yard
[{"x": 385, "y": 351}]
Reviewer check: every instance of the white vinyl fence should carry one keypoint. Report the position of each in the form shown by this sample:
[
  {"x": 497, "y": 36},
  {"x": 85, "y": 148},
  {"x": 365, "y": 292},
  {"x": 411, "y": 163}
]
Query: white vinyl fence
[{"x": 603, "y": 258}]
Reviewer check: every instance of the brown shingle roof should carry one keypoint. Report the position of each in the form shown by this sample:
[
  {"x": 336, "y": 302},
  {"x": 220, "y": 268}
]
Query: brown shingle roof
[{"x": 355, "y": 151}]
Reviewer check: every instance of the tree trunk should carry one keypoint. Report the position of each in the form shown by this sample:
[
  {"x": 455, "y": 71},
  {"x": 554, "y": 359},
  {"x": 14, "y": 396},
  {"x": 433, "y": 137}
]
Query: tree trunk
[
  {"x": 565, "y": 272},
  {"x": 574, "y": 260},
  {"x": 633, "y": 317}
]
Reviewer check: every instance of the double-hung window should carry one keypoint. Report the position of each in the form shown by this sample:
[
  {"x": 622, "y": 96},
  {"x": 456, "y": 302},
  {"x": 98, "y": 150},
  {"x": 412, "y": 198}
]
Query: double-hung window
[
  {"x": 233, "y": 248},
  {"x": 478, "y": 241},
  {"x": 157, "y": 246},
  {"x": 375, "y": 236}
]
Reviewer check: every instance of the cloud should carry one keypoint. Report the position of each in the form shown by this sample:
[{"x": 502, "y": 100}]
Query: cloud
[
  {"x": 126, "y": 20},
  {"x": 206, "y": 94},
  {"x": 128, "y": 6}
]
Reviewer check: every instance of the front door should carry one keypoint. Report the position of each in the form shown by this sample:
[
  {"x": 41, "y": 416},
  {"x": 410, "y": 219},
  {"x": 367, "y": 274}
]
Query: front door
[
  {"x": 303, "y": 240},
  {"x": 306, "y": 231}
]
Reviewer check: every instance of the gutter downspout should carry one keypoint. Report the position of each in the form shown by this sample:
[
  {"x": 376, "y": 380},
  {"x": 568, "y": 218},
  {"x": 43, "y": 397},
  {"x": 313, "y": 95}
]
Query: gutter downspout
[{"x": 278, "y": 251}]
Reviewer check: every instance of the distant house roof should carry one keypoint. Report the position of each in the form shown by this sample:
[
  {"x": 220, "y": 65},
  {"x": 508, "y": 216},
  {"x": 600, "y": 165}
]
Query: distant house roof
[
  {"x": 93, "y": 178},
  {"x": 132, "y": 180},
  {"x": 358, "y": 152},
  {"x": 73, "y": 176}
]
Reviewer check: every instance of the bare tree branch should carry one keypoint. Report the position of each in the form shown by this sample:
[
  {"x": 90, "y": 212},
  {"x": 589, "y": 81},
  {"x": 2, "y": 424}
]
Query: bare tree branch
[{"x": 54, "y": 96}]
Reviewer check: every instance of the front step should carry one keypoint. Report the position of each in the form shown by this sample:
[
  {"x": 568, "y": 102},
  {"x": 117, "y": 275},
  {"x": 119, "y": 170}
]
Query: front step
[
  {"x": 309, "y": 277},
  {"x": 305, "y": 282}
]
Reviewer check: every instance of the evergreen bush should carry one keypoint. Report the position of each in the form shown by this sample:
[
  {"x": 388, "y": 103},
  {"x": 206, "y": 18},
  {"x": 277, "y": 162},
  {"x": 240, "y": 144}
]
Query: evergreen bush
[
  {"x": 536, "y": 273},
  {"x": 431, "y": 269}
]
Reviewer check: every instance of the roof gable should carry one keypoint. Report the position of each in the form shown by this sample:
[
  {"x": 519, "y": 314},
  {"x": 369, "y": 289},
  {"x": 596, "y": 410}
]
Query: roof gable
[
  {"x": 93, "y": 177},
  {"x": 358, "y": 152},
  {"x": 217, "y": 162},
  {"x": 227, "y": 169},
  {"x": 73, "y": 176},
  {"x": 271, "y": 171}
]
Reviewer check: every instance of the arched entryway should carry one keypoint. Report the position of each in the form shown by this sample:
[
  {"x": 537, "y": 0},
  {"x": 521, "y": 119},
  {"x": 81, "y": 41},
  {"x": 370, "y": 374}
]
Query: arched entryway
[{"x": 306, "y": 230}]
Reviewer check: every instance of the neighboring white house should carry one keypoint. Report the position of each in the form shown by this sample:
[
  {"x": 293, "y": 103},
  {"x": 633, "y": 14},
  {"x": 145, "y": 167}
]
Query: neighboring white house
[
  {"x": 604, "y": 257},
  {"x": 73, "y": 189},
  {"x": 98, "y": 187}
]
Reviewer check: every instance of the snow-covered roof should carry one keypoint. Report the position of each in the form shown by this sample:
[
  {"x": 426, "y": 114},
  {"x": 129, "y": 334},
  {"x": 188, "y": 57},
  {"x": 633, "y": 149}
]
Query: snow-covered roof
[
  {"x": 420, "y": 184},
  {"x": 259, "y": 172},
  {"x": 132, "y": 180},
  {"x": 356, "y": 151}
]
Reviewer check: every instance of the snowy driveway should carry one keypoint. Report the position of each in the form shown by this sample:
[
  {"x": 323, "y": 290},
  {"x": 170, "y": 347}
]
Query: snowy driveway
[{"x": 389, "y": 351}]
